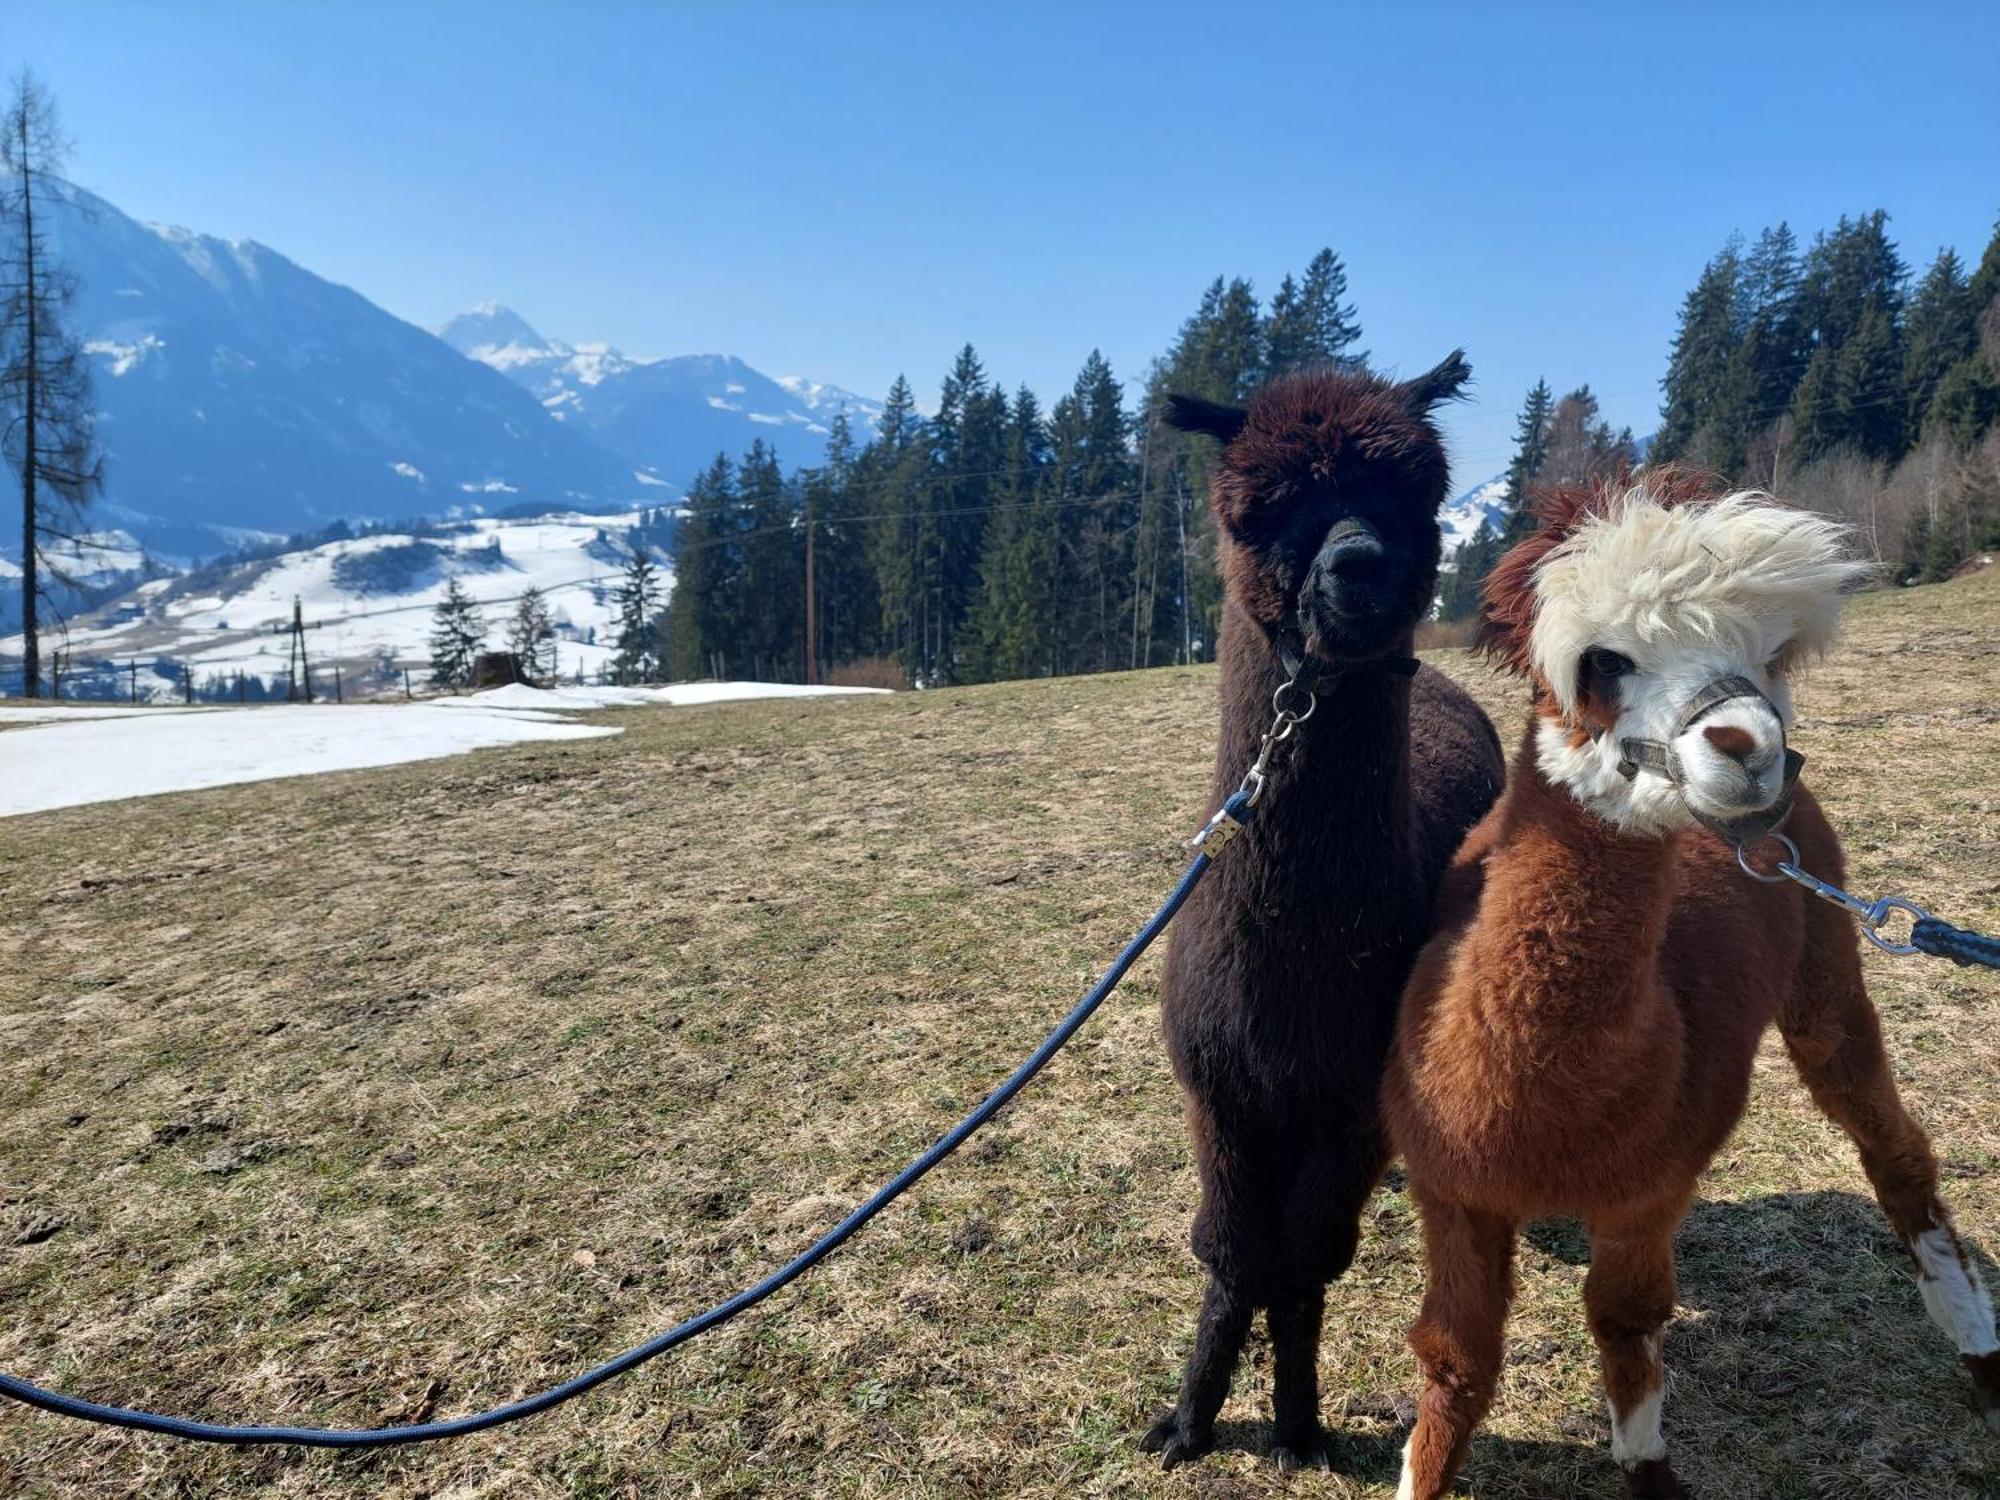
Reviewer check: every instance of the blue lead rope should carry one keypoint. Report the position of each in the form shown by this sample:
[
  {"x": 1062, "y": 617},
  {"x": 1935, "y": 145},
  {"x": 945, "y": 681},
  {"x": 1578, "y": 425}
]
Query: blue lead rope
[
  {"x": 1234, "y": 815},
  {"x": 1963, "y": 946}
]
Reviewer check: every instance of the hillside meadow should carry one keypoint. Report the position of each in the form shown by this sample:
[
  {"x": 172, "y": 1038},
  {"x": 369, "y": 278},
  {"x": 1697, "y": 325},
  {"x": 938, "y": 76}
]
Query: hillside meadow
[{"x": 358, "y": 1098}]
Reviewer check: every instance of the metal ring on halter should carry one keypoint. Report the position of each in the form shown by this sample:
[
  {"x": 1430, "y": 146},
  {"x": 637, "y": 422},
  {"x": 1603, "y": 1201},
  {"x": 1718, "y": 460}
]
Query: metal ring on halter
[
  {"x": 1791, "y": 849},
  {"x": 1879, "y": 913},
  {"x": 1293, "y": 685}
]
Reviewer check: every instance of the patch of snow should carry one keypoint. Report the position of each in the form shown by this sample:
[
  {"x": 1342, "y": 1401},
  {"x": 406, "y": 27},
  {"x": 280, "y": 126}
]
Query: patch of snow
[
  {"x": 124, "y": 357},
  {"x": 108, "y": 757},
  {"x": 20, "y": 711}
]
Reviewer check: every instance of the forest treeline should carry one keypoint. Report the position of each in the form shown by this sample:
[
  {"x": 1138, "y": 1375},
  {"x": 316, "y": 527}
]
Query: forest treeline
[
  {"x": 1824, "y": 376},
  {"x": 994, "y": 539}
]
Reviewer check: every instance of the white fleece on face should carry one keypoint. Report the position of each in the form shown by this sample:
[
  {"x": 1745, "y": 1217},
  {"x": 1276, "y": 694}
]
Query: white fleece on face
[{"x": 1740, "y": 586}]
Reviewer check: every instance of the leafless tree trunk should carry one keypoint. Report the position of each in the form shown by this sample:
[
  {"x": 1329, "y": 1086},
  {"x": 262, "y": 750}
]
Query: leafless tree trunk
[{"x": 45, "y": 402}]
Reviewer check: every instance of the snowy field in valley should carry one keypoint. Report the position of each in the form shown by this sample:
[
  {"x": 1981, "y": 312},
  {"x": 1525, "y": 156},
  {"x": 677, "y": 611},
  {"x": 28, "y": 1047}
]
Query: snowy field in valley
[
  {"x": 64, "y": 755},
  {"x": 368, "y": 603}
]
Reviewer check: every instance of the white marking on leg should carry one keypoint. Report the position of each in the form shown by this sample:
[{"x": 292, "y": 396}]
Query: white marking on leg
[
  {"x": 1636, "y": 1436},
  {"x": 1406, "y": 1489},
  {"x": 1953, "y": 1294}
]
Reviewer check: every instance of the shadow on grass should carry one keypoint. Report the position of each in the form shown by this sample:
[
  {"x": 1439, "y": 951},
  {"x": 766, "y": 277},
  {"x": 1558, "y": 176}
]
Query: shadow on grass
[{"x": 1801, "y": 1341}]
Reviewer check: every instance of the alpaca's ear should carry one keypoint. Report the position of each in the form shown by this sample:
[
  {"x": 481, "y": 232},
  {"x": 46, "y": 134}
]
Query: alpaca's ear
[
  {"x": 1446, "y": 382},
  {"x": 1192, "y": 414}
]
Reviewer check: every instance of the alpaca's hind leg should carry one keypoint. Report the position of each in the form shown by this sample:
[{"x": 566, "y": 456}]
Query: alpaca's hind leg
[
  {"x": 1322, "y": 1227},
  {"x": 1297, "y": 1439},
  {"x": 1468, "y": 1259},
  {"x": 1629, "y": 1296},
  {"x": 1835, "y": 1039},
  {"x": 1188, "y": 1431}
]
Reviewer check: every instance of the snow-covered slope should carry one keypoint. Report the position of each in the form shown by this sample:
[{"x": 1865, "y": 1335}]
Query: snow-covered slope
[
  {"x": 367, "y": 602},
  {"x": 1460, "y": 517},
  {"x": 667, "y": 417},
  {"x": 241, "y": 393}
]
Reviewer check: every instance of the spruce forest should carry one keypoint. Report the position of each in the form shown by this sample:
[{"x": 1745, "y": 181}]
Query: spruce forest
[{"x": 995, "y": 540}]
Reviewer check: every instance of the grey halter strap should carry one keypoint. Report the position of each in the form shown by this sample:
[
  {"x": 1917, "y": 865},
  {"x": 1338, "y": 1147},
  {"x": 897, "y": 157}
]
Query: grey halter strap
[{"x": 1660, "y": 757}]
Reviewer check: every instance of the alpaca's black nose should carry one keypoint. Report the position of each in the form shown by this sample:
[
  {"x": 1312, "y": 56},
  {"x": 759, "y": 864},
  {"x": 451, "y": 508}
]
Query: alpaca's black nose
[
  {"x": 1352, "y": 567},
  {"x": 1356, "y": 557}
]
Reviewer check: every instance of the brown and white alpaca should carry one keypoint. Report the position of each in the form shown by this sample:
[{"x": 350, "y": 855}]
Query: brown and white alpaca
[
  {"x": 1578, "y": 1036},
  {"x": 1288, "y": 963}
]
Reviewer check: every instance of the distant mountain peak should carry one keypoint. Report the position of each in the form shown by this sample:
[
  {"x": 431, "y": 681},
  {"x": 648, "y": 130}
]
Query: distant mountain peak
[{"x": 494, "y": 325}]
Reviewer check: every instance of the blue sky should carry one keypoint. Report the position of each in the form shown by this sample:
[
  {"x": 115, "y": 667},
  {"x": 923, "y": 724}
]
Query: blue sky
[{"x": 846, "y": 191}]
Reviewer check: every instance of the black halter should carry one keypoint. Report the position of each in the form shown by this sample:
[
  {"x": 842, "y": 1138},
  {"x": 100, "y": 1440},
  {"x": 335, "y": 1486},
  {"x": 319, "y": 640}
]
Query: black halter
[
  {"x": 1289, "y": 645},
  {"x": 1660, "y": 757}
]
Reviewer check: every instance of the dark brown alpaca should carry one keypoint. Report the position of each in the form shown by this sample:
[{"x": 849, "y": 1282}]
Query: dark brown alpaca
[
  {"x": 1578, "y": 1037},
  {"x": 1282, "y": 984}
]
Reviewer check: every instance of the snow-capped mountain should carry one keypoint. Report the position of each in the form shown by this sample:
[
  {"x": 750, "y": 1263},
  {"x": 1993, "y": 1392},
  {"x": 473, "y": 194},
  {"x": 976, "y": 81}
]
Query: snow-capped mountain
[
  {"x": 240, "y": 393},
  {"x": 554, "y": 371},
  {"x": 367, "y": 603},
  {"x": 1460, "y": 518},
  {"x": 666, "y": 417}
]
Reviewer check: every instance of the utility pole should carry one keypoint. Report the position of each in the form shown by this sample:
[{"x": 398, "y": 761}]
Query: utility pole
[
  {"x": 296, "y": 666},
  {"x": 187, "y": 683},
  {"x": 133, "y": 667},
  {"x": 337, "y": 698},
  {"x": 812, "y": 605}
]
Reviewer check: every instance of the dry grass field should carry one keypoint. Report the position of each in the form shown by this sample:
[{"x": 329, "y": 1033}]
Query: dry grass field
[{"x": 347, "y": 1099}]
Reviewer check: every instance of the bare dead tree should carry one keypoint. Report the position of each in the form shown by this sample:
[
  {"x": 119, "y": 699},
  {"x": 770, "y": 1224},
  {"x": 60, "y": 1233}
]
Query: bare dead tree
[{"x": 47, "y": 419}]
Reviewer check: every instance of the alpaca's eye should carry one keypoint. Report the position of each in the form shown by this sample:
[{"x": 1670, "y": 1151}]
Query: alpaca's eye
[{"x": 1603, "y": 663}]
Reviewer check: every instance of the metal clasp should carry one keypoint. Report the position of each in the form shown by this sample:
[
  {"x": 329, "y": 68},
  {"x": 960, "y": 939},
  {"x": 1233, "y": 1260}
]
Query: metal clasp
[
  {"x": 1287, "y": 714},
  {"x": 1871, "y": 914}
]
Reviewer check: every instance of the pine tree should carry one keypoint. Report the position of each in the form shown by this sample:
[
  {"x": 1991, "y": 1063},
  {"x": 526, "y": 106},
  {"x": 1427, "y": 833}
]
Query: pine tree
[
  {"x": 531, "y": 636},
  {"x": 967, "y": 438},
  {"x": 1698, "y": 368},
  {"x": 1332, "y": 330},
  {"x": 47, "y": 418},
  {"x": 770, "y": 634},
  {"x": 899, "y": 421},
  {"x": 458, "y": 630},
  {"x": 698, "y": 612},
  {"x": 1851, "y": 292},
  {"x": 1461, "y": 591},
  {"x": 637, "y": 601},
  {"x": 1531, "y": 449},
  {"x": 1019, "y": 554},
  {"x": 1094, "y": 466},
  {"x": 1985, "y": 285},
  {"x": 1285, "y": 330},
  {"x": 1939, "y": 330}
]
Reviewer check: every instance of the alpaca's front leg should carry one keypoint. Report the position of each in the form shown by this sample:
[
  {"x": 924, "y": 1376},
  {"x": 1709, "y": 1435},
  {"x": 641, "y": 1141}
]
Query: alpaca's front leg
[
  {"x": 1629, "y": 1296},
  {"x": 1469, "y": 1259},
  {"x": 1188, "y": 1431}
]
